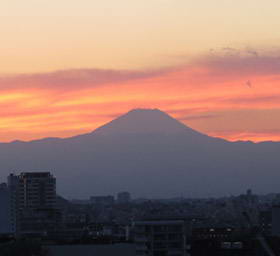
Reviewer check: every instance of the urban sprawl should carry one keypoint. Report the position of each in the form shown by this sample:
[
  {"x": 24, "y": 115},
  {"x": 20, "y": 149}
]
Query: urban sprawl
[{"x": 247, "y": 224}]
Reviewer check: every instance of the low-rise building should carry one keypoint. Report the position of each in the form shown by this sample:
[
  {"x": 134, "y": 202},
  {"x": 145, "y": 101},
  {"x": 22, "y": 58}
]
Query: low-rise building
[
  {"x": 162, "y": 236},
  {"x": 265, "y": 222},
  {"x": 123, "y": 197},
  {"x": 102, "y": 200},
  {"x": 275, "y": 226}
]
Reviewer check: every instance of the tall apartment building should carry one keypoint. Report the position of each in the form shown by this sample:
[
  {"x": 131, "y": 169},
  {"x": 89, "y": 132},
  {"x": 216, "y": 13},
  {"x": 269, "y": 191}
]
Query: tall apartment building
[
  {"x": 33, "y": 200},
  {"x": 5, "y": 223}
]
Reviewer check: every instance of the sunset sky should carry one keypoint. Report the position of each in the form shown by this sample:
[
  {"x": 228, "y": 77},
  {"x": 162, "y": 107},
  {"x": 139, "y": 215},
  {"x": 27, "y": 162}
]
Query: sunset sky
[{"x": 68, "y": 67}]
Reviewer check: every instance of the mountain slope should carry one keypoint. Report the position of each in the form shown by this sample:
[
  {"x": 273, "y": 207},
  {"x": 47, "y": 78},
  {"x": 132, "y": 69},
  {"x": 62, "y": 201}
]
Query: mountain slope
[
  {"x": 145, "y": 121},
  {"x": 150, "y": 154}
]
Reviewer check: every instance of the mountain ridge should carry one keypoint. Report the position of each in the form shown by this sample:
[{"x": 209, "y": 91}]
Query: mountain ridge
[
  {"x": 137, "y": 116},
  {"x": 130, "y": 113},
  {"x": 149, "y": 164}
]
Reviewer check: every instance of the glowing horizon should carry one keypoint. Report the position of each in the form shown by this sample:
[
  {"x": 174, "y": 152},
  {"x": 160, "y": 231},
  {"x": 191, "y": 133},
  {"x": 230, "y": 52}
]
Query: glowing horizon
[
  {"x": 68, "y": 67},
  {"x": 235, "y": 97}
]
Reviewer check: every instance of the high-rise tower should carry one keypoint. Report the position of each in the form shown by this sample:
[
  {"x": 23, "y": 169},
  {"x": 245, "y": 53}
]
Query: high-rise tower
[{"x": 33, "y": 195}]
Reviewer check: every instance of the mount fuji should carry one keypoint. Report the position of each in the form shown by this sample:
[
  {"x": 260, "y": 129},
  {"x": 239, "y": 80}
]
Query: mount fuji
[{"x": 150, "y": 154}]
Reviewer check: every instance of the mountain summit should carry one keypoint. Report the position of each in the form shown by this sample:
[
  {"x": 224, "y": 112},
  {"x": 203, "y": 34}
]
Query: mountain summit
[
  {"x": 150, "y": 154},
  {"x": 145, "y": 121}
]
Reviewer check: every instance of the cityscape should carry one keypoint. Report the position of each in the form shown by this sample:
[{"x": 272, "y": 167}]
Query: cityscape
[{"x": 31, "y": 210}]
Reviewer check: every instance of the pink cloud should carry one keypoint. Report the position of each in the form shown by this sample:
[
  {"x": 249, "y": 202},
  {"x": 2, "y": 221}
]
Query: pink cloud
[{"x": 195, "y": 93}]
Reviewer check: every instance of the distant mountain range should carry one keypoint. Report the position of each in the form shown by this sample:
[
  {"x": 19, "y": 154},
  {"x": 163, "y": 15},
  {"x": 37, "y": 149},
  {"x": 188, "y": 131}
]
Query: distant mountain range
[{"x": 150, "y": 154}]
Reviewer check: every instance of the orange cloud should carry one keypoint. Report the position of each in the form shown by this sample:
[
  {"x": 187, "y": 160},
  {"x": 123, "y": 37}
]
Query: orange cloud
[
  {"x": 253, "y": 135},
  {"x": 226, "y": 96}
]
